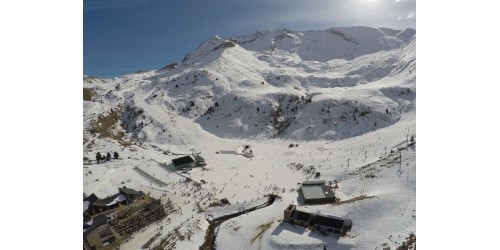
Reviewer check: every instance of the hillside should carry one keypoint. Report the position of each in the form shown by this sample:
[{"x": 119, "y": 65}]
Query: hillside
[{"x": 338, "y": 99}]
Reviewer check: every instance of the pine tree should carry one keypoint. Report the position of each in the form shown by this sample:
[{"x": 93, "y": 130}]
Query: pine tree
[
  {"x": 108, "y": 156},
  {"x": 98, "y": 156},
  {"x": 115, "y": 155}
]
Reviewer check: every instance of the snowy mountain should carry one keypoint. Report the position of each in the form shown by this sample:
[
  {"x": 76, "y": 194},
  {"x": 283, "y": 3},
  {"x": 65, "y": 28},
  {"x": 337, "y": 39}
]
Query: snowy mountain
[{"x": 349, "y": 90}]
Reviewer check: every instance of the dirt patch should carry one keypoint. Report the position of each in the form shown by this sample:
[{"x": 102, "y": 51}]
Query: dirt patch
[
  {"x": 107, "y": 126},
  {"x": 90, "y": 145},
  {"x": 410, "y": 243},
  {"x": 169, "y": 241},
  {"x": 88, "y": 94},
  {"x": 359, "y": 198},
  {"x": 261, "y": 230},
  {"x": 209, "y": 235}
]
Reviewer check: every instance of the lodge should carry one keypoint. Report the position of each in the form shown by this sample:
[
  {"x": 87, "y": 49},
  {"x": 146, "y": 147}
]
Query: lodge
[
  {"x": 110, "y": 220},
  {"x": 98, "y": 233},
  {"x": 316, "y": 192},
  {"x": 322, "y": 223},
  {"x": 187, "y": 162}
]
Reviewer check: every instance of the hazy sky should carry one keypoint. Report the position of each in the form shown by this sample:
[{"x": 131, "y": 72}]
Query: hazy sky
[{"x": 123, "y": 36}]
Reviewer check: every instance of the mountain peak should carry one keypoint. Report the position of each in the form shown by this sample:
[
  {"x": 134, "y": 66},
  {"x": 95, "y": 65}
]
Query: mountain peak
[{"x": 315, "y": 45}]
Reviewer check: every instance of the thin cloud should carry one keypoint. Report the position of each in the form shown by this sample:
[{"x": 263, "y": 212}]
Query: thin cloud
[
  {"x": 333, "y": 14},
  {"x": 411, "y": 15}
]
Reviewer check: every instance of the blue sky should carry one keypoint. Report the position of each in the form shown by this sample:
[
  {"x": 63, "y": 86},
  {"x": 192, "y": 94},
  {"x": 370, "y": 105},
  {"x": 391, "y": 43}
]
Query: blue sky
[{"x": 123, "y": 36}]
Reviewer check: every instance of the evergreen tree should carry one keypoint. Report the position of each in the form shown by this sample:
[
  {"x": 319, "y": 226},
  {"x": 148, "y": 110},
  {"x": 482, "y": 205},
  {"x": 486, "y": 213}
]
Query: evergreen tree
[
  {"x": 108, "y": 156},
  {"x": 115, "y": 155},
  {"x": 98, "y": 156}
]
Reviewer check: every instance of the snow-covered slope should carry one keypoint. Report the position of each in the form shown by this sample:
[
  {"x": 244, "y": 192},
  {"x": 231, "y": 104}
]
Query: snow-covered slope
[{"x": 346, "y": 96}]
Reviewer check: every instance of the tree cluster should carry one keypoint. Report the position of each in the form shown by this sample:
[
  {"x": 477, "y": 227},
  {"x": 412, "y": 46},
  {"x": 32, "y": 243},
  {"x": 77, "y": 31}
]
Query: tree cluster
[{"x": 100, "y": 157}]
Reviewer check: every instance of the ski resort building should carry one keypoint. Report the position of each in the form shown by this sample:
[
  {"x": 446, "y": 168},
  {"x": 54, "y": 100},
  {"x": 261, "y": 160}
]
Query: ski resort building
[
  {"x": 107, "y": 203},
  {"x": 321, "y": 223},
  {"x": 331, "y": 224},
  {"x": 183, "y": 162},
  {"x": 316, "y": 192},
  {"x": 92, "y": 205},
  {"x": 297, "y": 217},
  {"x": 97, "y": 234},
  {"x": 130, "y": 194},
  {"x": 87, "y": 203},
  {"x": 114, "y": 218},
  {"x": 187, "y": 162}
]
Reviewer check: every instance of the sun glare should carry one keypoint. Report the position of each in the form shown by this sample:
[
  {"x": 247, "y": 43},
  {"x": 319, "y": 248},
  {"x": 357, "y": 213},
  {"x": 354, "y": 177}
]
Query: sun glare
[{"x": 369, "y": 1}]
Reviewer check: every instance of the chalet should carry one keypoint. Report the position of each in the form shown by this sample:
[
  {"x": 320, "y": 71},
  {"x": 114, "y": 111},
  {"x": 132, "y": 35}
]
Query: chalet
[
  {"x": 296, "y": 217},
  {"x": 91, "y": 199},
  {"x": 321, "y": 223},
  {"x": 105, "y": 204},
  {"x": 185, "y": 162},
  {"x": 97, "y": 234},
  {"x": 87, "y": 203},
  {"x": 331, "y": 224},
  {"x": 316, "y": 192},
  {"x": 130, "y": 194}
]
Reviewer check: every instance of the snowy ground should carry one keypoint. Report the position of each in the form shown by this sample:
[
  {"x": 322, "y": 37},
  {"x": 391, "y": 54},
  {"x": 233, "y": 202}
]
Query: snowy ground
[{"x": 328, "y": 133}]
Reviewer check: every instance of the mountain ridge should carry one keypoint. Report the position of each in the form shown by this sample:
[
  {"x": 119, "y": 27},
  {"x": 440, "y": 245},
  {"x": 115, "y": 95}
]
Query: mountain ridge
[{"x": 244, "y": 88}]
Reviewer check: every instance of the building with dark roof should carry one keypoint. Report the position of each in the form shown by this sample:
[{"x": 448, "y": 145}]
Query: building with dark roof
[
  {"x": 87, "y": 203},
  {"x": 301, "y": 218},
  {"x": 293, "y": 216},
  {"x": 331, "y": 224},
  {"x": 130, "y": 194},
  {"x": 91, "y": 199},
  {"x": 107, "y": 203},
  {"x": 183, "y": 163},
  {"x": 314, "y": 183},
  {"x": 322, "y": 223},
  {"x": 98, "y": 233},
  {"x": 316, "y": 192}
]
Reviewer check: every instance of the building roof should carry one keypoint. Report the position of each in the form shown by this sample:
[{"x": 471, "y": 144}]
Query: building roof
[
  {"x": 109, "y": 201},
  {"x": 126, "y": 190},
  {"x": 299, "y": 215},
  {"x": 85, "y": 206},
  {"x": 317, "y": 192},
  {"x": 88, "y": 201},
  {"x": 183, "y": 160},
  {"x": 334, "y": 222},
  {"x": 96, "y": 222},
  {"x": 91, "y": 199},
  {"x": 317, "y": 182},
  {"x": 328, "y": 191}
]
